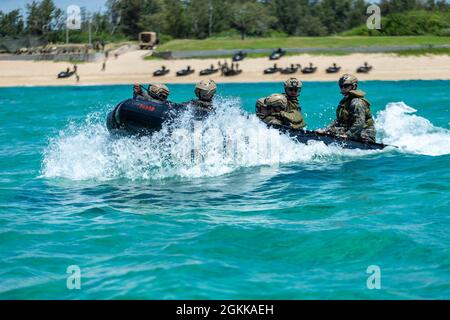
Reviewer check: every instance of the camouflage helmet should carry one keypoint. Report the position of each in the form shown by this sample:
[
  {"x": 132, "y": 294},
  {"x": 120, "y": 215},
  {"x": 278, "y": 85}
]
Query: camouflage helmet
[
  {"x": 158, "y": 91},
  {"x": 276, "y": 102},
  {"x": 205, "y": 90},
  {"x": 293, "y": 83},
  {"x": 261, "y": 107},
  {"x": 348, "y": 79}
]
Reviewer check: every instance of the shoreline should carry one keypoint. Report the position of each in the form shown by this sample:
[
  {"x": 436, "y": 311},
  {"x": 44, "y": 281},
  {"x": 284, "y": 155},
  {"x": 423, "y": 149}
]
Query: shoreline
[
  {"x": 191, "y": 83},
  {"x": 131, "y": 68}
]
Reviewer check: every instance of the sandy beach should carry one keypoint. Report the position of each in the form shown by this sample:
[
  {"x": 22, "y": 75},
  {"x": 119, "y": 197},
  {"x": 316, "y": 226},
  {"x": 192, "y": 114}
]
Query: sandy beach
[{"x": 132, "y": 68}]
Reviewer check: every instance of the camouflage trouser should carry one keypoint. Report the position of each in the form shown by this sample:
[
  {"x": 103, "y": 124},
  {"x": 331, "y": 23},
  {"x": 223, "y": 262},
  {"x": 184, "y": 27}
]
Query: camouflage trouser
[
  {"x": 367, "y": 135},
  {"x": 336, "y": 130},
  {"x": 272, "y": 120}
]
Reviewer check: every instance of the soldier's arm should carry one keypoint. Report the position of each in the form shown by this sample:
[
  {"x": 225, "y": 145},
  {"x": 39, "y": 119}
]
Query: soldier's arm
[
  {"x": 332, "y": 125},
  {"x": 144, "y": 95},
  {"x": 294, "y": 116},
  {"x": 360, "y": 118}
]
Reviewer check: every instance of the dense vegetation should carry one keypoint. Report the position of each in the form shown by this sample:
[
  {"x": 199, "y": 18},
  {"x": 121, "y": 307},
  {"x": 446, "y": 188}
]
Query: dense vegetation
[{"x": 200, "y": 19}]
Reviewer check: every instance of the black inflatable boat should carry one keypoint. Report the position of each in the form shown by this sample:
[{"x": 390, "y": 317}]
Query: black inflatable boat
[
  {"x": 207, "y": 72},
  {"x": 310, "y": 69},
  {"x": 364, "y": 69},
  {"x": 239, "y": 56},
  {"x": 65, "y": 74},
  {"x": 291, "y": 69},
  {"x": 272, "y": 70},
  {"x": 333, "y": 69},
  {"x": 303, "y": 136},
  {"x": 161, "y": 72},
  {"x": 185, "y": 72},
  {"x": 135, "y": 116},
  {"x": 277, "y": 54}
]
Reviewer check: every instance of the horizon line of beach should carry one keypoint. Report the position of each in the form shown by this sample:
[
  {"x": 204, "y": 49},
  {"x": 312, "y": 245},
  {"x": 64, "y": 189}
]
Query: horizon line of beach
[{"x": 132, "y": 68}]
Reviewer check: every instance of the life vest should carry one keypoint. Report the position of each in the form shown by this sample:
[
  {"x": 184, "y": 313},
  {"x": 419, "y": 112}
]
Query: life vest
[{"x": 344, "y": 114}]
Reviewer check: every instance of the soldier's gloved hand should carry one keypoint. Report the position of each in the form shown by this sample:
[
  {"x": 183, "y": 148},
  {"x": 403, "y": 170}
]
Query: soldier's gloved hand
[{"x": 137, "y": 89}]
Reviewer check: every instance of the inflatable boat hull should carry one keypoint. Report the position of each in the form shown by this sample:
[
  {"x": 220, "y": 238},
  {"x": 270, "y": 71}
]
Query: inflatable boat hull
[
  {"x": 135, "y": 116},
  {"x": 303, "y": 136}
]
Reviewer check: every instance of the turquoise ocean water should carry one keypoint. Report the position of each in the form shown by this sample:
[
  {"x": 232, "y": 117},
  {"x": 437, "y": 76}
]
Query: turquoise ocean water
[{"x": 268, "y": 219}]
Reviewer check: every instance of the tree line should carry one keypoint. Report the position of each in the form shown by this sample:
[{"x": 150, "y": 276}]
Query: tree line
[{"x": 201, "y": 19}]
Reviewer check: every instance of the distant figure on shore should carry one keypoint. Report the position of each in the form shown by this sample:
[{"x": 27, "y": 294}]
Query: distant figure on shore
[
  {"x": 77, "y": 77},
  {"x": 104, "y": 66}
]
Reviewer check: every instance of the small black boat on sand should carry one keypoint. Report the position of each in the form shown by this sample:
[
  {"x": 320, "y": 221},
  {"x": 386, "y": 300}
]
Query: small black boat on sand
[
  {"x": 161, "y": 72},
  {"x": 135, "y": 116},
  {"x": 210, "y": 70},
  {"x": 277, "y": 54},
  {"x": 364, "y": 69},
  {"x": 185, "y": 72},
  {"x": 239, "y": 56},
  {"x": 230, "y": 72},
  {"x": 310, "y": 69},
  {"x": 65, "y": 74},
  {"x": 291, "y": 69},
  {"x": 272, "y": 70},
  {"x": 333, "y": 69}
]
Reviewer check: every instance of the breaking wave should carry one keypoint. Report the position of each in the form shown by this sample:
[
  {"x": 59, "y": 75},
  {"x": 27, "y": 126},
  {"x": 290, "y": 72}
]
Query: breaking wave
[{"x": 397, "y": 125}]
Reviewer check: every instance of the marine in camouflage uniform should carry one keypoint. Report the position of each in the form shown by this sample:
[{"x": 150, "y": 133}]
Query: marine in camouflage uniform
[
  {"x": 282, "y": 109},
  {"x": 205, "y": 91},
  {"x": 155, "y": 92},
  {"x": 353, "y": 116},
  {"x": 292, "y": 116}
]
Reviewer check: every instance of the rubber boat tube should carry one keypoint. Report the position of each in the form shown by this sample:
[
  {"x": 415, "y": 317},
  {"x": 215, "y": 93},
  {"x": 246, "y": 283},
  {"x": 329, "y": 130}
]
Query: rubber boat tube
[
  {"x": 239, "y": 56},
  {"x": 135, "y": 116},
  {"x": 303, "y": 136},
  {"x": 161, "y": 72},
  {"x": 206, "y": 72},
  {"x": 65, "y": 74}
]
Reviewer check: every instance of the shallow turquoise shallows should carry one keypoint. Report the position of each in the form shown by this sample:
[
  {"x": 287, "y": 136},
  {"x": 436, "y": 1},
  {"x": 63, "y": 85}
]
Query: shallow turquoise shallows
[{"x": 248, "y": 214}]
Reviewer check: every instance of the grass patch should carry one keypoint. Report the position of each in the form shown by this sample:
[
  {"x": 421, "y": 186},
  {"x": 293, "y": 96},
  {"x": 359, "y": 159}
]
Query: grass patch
[
  {"x": 256, "y": 55},
  {"x": 424, "y": 52},
  {"x": 300, "y": 42}
]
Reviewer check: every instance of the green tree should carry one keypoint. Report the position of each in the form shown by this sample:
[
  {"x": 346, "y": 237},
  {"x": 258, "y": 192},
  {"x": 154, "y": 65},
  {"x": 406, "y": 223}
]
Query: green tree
[
  {"x": 42, "y": 17},
  {"x": 250, "y": 17},
  {"x": 11, "y": 24}
]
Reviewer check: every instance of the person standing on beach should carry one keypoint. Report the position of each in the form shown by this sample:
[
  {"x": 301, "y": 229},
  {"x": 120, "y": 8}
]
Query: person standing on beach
[{"x": 353, "y": 116}]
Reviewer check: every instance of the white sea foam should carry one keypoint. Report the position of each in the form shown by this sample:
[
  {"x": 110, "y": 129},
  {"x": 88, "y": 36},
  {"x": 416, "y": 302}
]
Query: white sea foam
[
  {"x": 226, "y": 141},
  {"x": 398, "y": 125}
]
